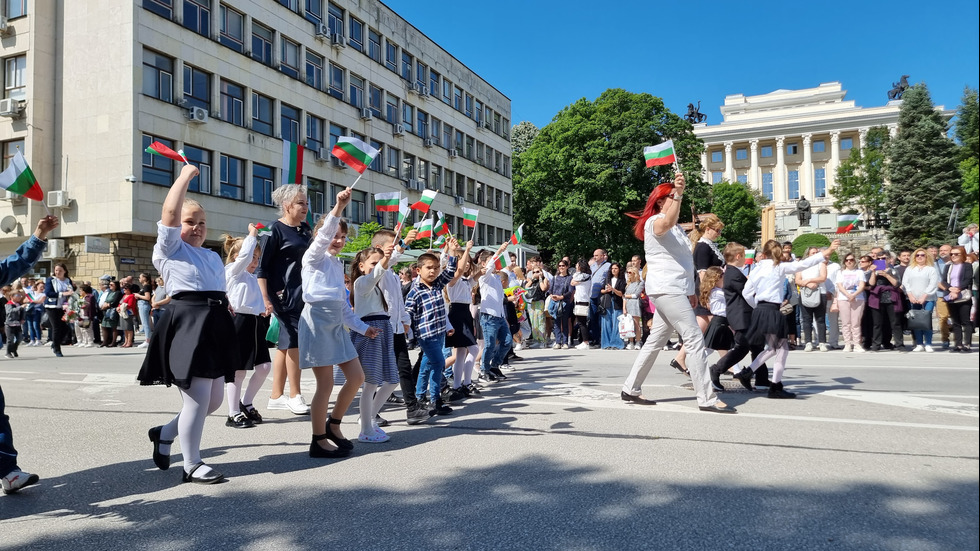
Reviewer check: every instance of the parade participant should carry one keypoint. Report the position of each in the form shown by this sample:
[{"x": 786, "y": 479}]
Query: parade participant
[
  {"x": 251, "y": 324},
  {"x": 718, "y": 335},
  {"x": 670, "y": 282},
  {"x": 281, "y": 284},
  {"x": 706, "y": 232},
  {"x": 376, "y": 354},
  {"x": 183, "y": 353},
  {"x": 493, "y": 316},
  {"x": 323, "y": 342},
  {"x": 764, "y": 291},
  {"x": 463, "y": 340}
]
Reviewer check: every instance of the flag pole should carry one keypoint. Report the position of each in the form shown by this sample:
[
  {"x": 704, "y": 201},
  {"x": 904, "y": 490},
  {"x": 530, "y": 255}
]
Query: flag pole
[
  {"x": 365, "y": 170},
  {"x": 184, "y": 157}
]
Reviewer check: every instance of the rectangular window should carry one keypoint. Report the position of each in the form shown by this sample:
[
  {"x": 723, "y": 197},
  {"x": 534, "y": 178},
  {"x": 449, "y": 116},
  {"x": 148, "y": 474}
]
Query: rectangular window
[
  {"x": 356, "y": 91},
  {"x": 447, "y": 182},
  {"x": 457, "y": 98},
  {"x": 470, "y": 147},
  {"x": 506, "y": 203},
  {"x": 336, "y": 82},
  {"x": 408, "y": 117},
  {"x": 436, "y": 131},
  {"x": 792, "y": 148},
  {"x": 433, "y": 83},
  {"x": 314, "y": 133},
  {"x": 460, "y": 185},
  {"x": 846, "y": 143},
  {"x": 767, "y": 185},
  {"x": 10, "y": 149},
  {"x": 15, "y": 78},
  {"x": 793, "y": 185},
  {"x": 423, "y": 173},
  {"x": 393, "y": 162},
  {"x": 357, "y": 210},
  {"x": 197, "y": 16},
  {"x": 335, "y": 19},
  {"x": 741, "y": 154},
  {"x": 447, "y": 92},
  {"x": 470, "y": 189},
  {"x": 423, "y": 126},
  {"x": 421, "y": 74},
  {"x": 262, "y": 118},
  {"x": 498, "y": 196},
  {"x": 316, "y": 197},
  {"x": 742, "y": 178},
  {"x": 468, "y": 110},
  {"x": 391, "y": 56},
  {"x": 435, "y": 177},
  {"x": 289, "y": 123},
  {"x": 158, "y": 76},
  {"x": 157, "y": 169},
  {"x": 314, "y": 10},
  {"x": 374, "y": 45},
  {"x": 356, "y": 34},
  {"x": 201, "y": 158},
  {"x": 478, "y": 111},
  {"x": 232, "y": 28},
  {"x": 391, "y": 109},
  {"x": 496, "y": 123},
  {"x": 314, "y": 70},
  {"x": 336, "y": 131},
  {"x": 820, "y": 182},
  {"x": 715, "y": 177},
  {"x": 291, "y": 5},
  {"x": 289, "y": 57},
  {"x": 716, "y": 156},
  {"x": 197, "y": 88},
  {"x": 377, "y": 161},
  {"x": 232, "y": 103},
  {"x": 261, "y": 43},
  {"x": 819, "y": 146},
  {"x": 407, "y": 61},
  {"x": 232, "y": 178},
  {"x": 374, "y": 100},
  {"x": 458, "y": 143},
  {"x": 480, "y": 151},
  {"x": 408, "y": 167},
  {"x": 159, "y": 7},
  {"x": 447, "y": 136},
  {"x": 262, "y": 184},
  {"x": 765, "y": 151}
]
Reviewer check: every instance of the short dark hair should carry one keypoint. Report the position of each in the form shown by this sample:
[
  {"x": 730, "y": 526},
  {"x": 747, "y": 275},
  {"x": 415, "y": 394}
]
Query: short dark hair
[{"x": 427, "y": 257}]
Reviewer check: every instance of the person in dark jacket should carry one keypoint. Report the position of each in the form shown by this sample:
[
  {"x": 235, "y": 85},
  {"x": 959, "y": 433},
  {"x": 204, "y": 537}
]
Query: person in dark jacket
[{"x": 956, "y": 282}]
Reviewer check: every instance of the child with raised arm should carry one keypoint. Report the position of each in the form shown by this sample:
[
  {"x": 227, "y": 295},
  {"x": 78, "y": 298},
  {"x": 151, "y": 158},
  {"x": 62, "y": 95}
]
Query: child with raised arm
[
  {"x": 323, "y": 341},
  {"x": 463, "y": 339},
  {"x": 251, "y": 324},
  {"x": 493, "y": 317},
  {"x": 193, "y": 346}
]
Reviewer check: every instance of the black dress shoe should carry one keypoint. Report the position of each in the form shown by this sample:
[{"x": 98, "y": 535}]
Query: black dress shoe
[
  {"x": 716, "y": 409},
  {"x": 636, "y": 399},
  {"x": 678, "y": 367},
  {"x": 745, "y": 377},
  {"x": 338, "y": 441},
  {"x": 160, "y": 460},
  {"x": 239, "y": 421},
  {"x": 213, "y": 476},
  {"x": 319, "y": 452}
]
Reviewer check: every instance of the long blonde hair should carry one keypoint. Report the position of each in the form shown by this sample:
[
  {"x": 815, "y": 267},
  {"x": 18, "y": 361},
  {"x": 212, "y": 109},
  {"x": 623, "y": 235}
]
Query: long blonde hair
[
  {"x": 709, "y": 280},
  {"x": 708, "y": 221},
  {"x": 232, "y": 245},
  {"x": 925, "y": 252}
]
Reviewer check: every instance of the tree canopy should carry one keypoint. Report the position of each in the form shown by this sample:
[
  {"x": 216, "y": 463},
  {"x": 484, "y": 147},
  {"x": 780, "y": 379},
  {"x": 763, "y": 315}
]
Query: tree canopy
[
  {"x": 860, "y": 178},
  {"x": 968, "y": 136},
  {"x": 585, "y": 170},
  {"x": 740, "y": 209}
]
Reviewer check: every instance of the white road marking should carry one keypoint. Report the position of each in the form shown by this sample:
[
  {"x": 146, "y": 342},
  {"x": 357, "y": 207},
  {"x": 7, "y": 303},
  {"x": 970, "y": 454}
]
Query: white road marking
[{"x": 907, "y": 401}]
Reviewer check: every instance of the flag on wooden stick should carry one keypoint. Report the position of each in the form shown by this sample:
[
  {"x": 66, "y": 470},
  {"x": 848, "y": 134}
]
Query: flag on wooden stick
[
  {"x": 515, "y": 238},
  {"x": 425, "y": 202},
  {"x": 387, "y": 202},
  {"x": 157, "y": 148},
  {"x": 470, "y": 216}
]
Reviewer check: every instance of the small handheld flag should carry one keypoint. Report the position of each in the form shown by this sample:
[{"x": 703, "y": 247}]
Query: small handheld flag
[
  {"x": 500, "y": 262},
  {"x": 441, "y": 228},
  {"x": 354, "y": 153},
  {"x": 846, "y": 222},
  {"x": 424, "y": 228},
  {"x": 403, "y": 212},
  {"x": 515, "y": 238},
  {"x": 662, "y": 154},
  {"x": 387, "y": 202},
  {"x": 749, "y": 257},
  {"x": 470, "y": 216},
  {"x": 19, "y": 179},
  {"x": 425, "y": 202},
  {"x": 263, "y": 229},
  {"x": 157, "y": 148}
]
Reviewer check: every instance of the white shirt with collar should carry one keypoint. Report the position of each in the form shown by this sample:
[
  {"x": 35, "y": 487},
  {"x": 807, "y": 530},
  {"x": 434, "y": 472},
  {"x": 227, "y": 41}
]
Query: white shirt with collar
[
  {"x": 766, "y": 281},
  {"x": 670, "y": 263}
]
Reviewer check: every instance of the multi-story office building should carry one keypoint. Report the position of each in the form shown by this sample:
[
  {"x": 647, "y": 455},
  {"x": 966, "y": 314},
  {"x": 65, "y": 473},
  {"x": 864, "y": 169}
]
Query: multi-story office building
[
  {"x": 91, "y": 83},
  {"x": 788, "y": 144}
]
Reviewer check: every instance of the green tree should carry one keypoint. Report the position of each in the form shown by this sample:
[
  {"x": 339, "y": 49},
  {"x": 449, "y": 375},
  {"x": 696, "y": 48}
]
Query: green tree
[
  {"x": 739, "y": 209},
  {"x": 925, "y": 180},
  {"x": 522, "y": 136},
  {"x": 585, "y": 170},
  {"x": 968, "y": 135},
  {"x": 362, "y": 240},
  {"x": 860, "y": 178}
]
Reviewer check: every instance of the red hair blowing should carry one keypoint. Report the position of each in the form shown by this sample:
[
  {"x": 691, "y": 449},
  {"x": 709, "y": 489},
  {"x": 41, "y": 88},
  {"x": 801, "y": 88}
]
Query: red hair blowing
[{"x": 651, "y": 209}]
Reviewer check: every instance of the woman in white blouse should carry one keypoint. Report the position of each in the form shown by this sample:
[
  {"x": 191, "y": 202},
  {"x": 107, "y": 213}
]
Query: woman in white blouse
[
  {"x": 851, "y": 282},
  {"x": 920, "y": 283},
  {"x": 670, "y": 283}
]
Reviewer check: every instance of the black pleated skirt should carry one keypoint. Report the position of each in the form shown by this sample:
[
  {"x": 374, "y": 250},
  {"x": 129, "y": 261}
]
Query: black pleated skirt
[
  {"x": 195, "y": 337},
  {"x": 250, "y": 331},
  {"x": 766, "y": 320},
  {"x": 462, "y": 322},
  {"x": 718, "y": 335}
]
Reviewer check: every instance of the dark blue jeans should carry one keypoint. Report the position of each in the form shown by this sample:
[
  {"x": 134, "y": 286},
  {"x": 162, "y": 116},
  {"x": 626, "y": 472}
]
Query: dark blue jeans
[
  {"x": 8, "y": 455},
  {"x": 497, "y": 341},
  {"x": 433, "y": 363}
]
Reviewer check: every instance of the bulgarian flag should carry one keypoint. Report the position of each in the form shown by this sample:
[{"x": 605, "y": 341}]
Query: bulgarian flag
[
  {"x": 500, "y": 262},
  {"x": 387, "y": 202},
  {"x": 263, "y": 229},
  {"x": 441, "y": 228},
  {"x": 425, "y": 202},
  {"x": 846, "y": 222},
  {"x": 441, "y": 242},
  {"x": 424, "y": 227},
  {"x": 19, "y": 179},
  {"x": 157, "y": 148},
  {"x": 355, "y": 153},
  {"x": 470, "y": 216},
  {"x": 403, "y": 211},
  {"x": 662, "y": 154},
  {"x": 749, "y": 257},
  {"x": 292, "y": 163},
  {"x": 515, "y": 238}
]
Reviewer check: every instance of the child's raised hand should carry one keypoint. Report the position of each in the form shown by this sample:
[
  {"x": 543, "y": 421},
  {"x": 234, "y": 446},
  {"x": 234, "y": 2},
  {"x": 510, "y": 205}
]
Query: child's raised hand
[
  {"x": 252, "y": 230},
  {"x": 412, "y": 235},
  {"x": 451, "y": 245},
  {"x": 469, "y": 245},
  {"x": 343, "y": 198},
  {"x": 371, "y": 332},
  {"x": 388, "y": 249},
  {"x": 189, "y": 171},
  {"x": 45, "y": 225}
]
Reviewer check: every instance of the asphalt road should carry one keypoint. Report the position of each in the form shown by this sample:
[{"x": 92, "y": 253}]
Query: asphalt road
[{"x": 879, "y": 452}]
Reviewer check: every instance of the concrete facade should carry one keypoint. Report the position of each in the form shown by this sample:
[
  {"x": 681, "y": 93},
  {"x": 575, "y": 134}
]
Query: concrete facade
[{"x": 104, "y": 79}]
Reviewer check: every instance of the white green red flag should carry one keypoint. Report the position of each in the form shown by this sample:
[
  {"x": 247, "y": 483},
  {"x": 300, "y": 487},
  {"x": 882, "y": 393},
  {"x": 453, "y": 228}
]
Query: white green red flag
[
  {"x": 403, "y": 211},
  {"x": 19, "y": 179},
  {"x": 425, "y": 202},
  {"x": 387, "y": 202},
  {"x": 424, "y": 228},
  {"x": 441, "y": 228},
  {"x": 515, "y": 238},
  {"x": 662, "y": 154},
  {"x": 441, "y": 242},
  {"x": 292, "y": 163},
  {"x": 470, "y": 216},
  {"x": 157, "y": 148},
  {"x": 263, "y": 229},
  {"x": 354, "y": 153},
  {"x": 500, "y": 262},
  {"x": 749, "y": 257},
  {"x": 846, "y": 222}
]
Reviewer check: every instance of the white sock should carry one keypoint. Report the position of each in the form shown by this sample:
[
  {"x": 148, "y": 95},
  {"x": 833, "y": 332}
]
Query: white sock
[
  {"x": 255, "y": 382},
  {"x": 233, "y": 391},
  {"x": 366, "y": 406}
]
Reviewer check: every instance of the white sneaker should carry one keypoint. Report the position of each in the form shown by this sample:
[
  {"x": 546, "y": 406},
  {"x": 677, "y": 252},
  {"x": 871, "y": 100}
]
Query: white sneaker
[
  {"x": 918, "y": 348},
  {"x": 858, "y": 349},
  {"x": 556, "y": 346},
  {"x": 15, "y": 480},
  {"x": 564, "y": 346},
  {"x": 281, "y": 402},
  {"x": 929, "y": 348},
  {"x": 297, "y": 405},
  {"x": 144, "y": 345},
  {"x": 808, "y": 347},
  {"x": 581, "y": 346},
  {"x": 518, "y": 346},
  {"x": 823, "y": 347}
]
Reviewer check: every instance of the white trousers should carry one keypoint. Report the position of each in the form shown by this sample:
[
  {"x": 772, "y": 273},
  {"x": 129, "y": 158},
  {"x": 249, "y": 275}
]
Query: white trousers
[{"x": 674, "y": 311}]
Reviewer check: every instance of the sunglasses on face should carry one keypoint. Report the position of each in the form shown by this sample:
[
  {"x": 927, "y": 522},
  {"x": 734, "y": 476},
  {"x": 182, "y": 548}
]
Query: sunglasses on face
[
  {"x": 848, "y": 260},
  {"x": 955, "y": 254},
  {"x": 920, "y": 255}
]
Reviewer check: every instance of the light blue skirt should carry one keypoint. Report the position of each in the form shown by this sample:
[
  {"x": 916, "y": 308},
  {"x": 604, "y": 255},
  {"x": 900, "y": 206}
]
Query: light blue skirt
[{"x": 322, "y": 337}]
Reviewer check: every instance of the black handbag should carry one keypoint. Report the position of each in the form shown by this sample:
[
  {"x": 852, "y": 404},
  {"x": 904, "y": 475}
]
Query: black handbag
[{"x": 919, "y": 320}]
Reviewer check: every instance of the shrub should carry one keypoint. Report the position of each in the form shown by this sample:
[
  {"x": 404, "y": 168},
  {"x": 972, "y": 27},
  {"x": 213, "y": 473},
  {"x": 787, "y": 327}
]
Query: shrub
[{"x": 807, "y": 240}]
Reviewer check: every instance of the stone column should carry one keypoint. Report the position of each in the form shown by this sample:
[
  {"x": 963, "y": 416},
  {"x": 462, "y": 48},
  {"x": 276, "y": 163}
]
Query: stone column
[
  {"x": 834, "y": 161},
  {"x": 705, "y": 174},
  {"x": 863, "y": 137},
  {"x": 892, "y": 130},
  {"x": 729, "y": 165},
  {"x": 806, "y": 169},
  {"x": 755, "y": 179},
  {"x": 779, "y": 173}
]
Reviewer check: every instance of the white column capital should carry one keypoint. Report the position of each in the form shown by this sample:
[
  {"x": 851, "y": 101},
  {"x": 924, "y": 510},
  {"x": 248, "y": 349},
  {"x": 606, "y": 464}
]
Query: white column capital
[
  {"x": 835, "y": 137},
  {"x": 754, "y": 144},
  {"x": 806, "y": 139},
  {"x": 780, "y": 140},
  {"x": 728, "y": 147}
]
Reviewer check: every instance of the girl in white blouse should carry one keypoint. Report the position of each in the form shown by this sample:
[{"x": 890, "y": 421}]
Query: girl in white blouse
[{"x": 764, "y": 291}]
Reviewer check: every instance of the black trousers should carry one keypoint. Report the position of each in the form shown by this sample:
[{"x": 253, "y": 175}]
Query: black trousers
[
  {"x": 884, "y": 318},
  {"x": 818, "y": 314},
  {"x": 738, "y": 351},
  {"x": 959, "y": 314},
  {"x": 58, "y": 328},
  {"x": 407, "y": 375}
]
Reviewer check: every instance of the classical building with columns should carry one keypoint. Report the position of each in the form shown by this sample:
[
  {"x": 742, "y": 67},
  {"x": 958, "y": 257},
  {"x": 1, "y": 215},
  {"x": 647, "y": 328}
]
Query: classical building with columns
[{"x": 788, "y": 144}]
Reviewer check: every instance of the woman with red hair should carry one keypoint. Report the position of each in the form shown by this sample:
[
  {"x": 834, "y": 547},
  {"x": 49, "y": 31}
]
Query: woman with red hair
[{"x": 670, "y": 283}]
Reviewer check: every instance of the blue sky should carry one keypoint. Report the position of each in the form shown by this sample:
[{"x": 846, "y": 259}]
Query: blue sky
[{"x": 545, "y": 54}]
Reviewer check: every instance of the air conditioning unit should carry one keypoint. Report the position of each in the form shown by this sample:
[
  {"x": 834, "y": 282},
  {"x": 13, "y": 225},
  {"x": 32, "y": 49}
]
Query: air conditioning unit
[
  {"x": 322, "y": 31},
  {"x": 366, "y": 114},
  {"x": 427, "y": 142},
  {"x": 337, "y": 40},
  {"x": 197, "y": 114},
  {"x": 459, "y": 199},
  {"x": 4, "y": 27},
  {"x": 419, "y": 88},
  {"x": 415, "y": 185},
  {"x": 398, "y": 129},
  {"x": 11, "y": 196},
  {"x": 453, "y": 154},
  {"x": 56, "y": 249},
  {"x": 10, "y": 107},
  {"x": 59, "y": 199},
  {"x": 322, "y": 154},
  {"x": 337, "y": 163}
]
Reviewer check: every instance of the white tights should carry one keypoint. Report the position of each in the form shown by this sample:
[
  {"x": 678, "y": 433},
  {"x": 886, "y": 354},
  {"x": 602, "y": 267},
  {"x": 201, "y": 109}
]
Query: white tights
[
  {"x": 233, "y": 391},
  {"x": 775, "y": 348},
  {"x": 372, "y": 398},
  {"x": 463, "y": 368},
  {"x": 203, "y": 397}
]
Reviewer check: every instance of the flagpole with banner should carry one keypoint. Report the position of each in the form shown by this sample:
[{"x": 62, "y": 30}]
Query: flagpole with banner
[{"x": 356, "y": 154}]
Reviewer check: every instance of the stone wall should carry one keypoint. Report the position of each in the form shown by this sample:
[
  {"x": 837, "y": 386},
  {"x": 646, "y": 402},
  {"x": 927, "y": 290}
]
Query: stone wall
[{"x": 128, "y": 255}]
